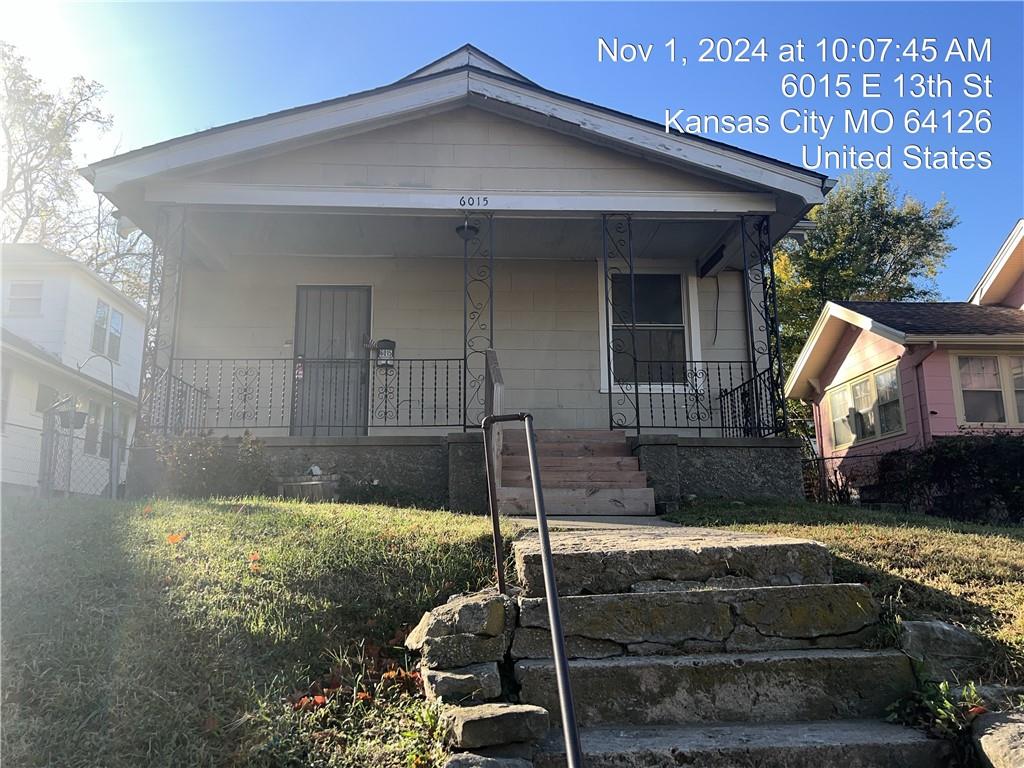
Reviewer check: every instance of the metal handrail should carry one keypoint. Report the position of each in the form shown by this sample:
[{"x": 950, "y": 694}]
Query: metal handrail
[{"x": 570, "y": 730}]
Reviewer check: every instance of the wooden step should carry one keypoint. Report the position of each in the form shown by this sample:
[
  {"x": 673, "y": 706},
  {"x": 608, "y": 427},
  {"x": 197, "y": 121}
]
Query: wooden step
[
  {"x": 568, "y": 435},
  {"x": 608, "y": 463},
  {"x": 576, "y": 478},
  {"x": 579, "y": 501},
  {"x": 590, "y": 448}
]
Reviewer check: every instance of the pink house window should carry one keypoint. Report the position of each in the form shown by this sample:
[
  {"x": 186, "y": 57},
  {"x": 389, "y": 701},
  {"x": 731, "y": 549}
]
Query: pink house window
[{"x": 982, "y": 390}]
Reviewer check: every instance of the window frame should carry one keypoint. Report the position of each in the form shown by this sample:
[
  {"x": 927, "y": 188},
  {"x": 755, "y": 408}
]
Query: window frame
[
  {"x": 868, "y": 376},
  {"x": 8, "y": 298},
  {"x": 95, "y": 326},
  {"x": 111, "y": 335},
  {"x": 691, "y": 326},
  {"x": 1014, "y": 420}
]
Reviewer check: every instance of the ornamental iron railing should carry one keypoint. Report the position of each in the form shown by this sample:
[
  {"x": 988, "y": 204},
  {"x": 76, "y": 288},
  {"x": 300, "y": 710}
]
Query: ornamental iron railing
[{"x": 326, "y": 398}]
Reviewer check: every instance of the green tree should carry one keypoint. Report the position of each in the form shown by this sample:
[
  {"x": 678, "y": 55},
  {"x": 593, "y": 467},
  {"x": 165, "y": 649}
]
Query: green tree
[{"x": 869, "y": 243}]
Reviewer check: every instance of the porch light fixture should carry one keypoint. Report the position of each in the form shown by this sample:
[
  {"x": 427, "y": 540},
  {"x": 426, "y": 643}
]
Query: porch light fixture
[{"x": 467, "y": 231}]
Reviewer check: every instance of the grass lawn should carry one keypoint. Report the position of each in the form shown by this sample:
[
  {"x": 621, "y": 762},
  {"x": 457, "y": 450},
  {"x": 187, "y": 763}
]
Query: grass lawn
[
  {"x": 926, "y": 566},
  {"x": 170, "y": 633}
]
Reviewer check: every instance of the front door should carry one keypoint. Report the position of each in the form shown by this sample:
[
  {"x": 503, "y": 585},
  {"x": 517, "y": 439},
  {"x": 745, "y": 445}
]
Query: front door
[{"x": 332, "y": 361}]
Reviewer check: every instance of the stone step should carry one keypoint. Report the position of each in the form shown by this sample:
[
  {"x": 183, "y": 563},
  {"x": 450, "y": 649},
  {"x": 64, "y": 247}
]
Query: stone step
[
  {"x": 517, "y": 476},
  {"x": 636, "y": 559},
  {"x": 566, "y": 435},
  {"x": 706, "y": 620},
  {"x": 755, "y": 687},
  {"x": 847, "y": 743},
  {"x": 587, "y": 448},
  {"x": 580, "y": 463},
  {"x": 578, "y": 501}
]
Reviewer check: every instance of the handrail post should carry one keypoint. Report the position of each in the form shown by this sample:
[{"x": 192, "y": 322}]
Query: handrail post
[
  {"x": 570, "y": 730},
  {"x": 492, "y": 505}
]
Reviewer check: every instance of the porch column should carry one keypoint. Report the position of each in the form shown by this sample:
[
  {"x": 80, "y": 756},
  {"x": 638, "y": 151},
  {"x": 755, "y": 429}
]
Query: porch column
[
  {"x": 763, "y": 321},
  {"x": 617, "y": 259},
  {"x": 477, "y": 233},
  {"x": 155, "y": 391}
]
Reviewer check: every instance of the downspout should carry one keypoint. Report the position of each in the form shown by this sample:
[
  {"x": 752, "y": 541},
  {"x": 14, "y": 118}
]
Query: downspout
[{"x": 922, "y": 406}]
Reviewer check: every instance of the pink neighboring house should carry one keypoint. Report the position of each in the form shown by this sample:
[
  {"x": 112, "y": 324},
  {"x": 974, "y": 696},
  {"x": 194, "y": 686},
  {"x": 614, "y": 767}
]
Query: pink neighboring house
[{"x": 885, "y": 375}]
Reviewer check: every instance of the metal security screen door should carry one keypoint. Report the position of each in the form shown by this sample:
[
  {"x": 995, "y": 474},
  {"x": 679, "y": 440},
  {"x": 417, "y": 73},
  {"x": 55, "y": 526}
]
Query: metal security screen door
[{"x": 332, "y": 332}]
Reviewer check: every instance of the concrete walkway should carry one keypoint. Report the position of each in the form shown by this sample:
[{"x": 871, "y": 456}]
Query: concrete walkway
[{"x": 598, "y": 522}]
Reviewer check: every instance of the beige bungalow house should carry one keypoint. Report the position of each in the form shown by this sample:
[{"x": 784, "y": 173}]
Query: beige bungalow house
[{"x": 359, "y": 281}]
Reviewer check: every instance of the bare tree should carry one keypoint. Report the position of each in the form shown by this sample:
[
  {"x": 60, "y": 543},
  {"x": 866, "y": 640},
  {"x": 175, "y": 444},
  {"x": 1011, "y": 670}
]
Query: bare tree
[{"x": 43, "y": 198}]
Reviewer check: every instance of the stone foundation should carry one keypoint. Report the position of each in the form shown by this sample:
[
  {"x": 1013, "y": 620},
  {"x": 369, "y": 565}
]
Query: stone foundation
[{"x": 720, "y": 468}]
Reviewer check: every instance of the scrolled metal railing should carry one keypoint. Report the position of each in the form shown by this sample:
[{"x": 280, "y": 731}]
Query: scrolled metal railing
[
  {"x": 313, "y": 397},
  {"x": 751, "y": 409}
]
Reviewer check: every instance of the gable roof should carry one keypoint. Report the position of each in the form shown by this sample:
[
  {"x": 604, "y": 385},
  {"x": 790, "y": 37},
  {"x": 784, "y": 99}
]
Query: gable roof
[
  {"x": 1005, "y": 269},
  {"x": 951, "y": 322},
  {"x": 941, "y": 317},
  {"x": 35, "y": 255},
  {"x": 466, "y": 75}
]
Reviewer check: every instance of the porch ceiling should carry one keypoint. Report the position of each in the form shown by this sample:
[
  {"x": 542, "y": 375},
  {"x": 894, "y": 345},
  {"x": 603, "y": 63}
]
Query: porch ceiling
[{"x": 241, "y": 233}]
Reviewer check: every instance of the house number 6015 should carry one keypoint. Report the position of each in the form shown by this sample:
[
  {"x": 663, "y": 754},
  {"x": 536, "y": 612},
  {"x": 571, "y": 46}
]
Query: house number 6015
[{"x": 473, "y": 201}]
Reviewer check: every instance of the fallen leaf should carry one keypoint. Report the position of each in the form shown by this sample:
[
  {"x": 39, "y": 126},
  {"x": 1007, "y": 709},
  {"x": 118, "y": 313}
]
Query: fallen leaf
[
  {"x": 254, "y": 567},
  {"x": 254, "y": 556},
  {"x": 210, "y": 724},
  {"x": 147, "y": 510},
  {"x": 363, "y": 696},
  {"x": 977, "y": 710},
  {"x": 176, "y": 538}
]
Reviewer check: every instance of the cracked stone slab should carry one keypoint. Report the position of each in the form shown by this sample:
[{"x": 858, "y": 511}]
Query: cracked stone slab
[
  {"x": 486, "y": 725},
  {"x": 764, "y": 618},
  {"x": 612, "y": 561},
  {"x": 847, "y": 743},
  {"x": 530, "y": 643},
  {"x": 752, "y": 687},
  {"x": 480, "y": 613},
  {"x": 454, "y": 651},
  {"x": 473, "y": 684},
  {"x": 999, "y": 739}
]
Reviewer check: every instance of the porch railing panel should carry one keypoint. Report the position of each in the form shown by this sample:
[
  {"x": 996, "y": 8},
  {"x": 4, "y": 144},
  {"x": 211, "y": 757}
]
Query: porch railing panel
[
  {"x": 700, "y": 398},
  {"x": 308, "y": 397}
]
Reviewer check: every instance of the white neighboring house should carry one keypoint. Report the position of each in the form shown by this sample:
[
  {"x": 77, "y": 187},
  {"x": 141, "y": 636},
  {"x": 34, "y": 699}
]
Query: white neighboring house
[{"x": 62, "y": 323}]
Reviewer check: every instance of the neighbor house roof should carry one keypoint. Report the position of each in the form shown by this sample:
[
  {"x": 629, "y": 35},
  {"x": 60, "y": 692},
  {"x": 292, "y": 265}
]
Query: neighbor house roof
[
  {"x": 1005, "y": 269},
  {"x": 34, "y": 255},
  {"x": 467, "y": 75},
  {"x": 21, "y": 347},
  {"x": 953, "y": 322},
  {"x": 940, "y": 317}
]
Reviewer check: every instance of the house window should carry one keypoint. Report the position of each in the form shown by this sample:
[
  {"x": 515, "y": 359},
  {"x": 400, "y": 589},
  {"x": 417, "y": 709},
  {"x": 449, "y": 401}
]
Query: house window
[
  {"x": 991, "y": 388},
  {"x": 114, "y": 337},
  {"x": 1017, "y": 377},
  {"x": 867, "y": 408},
  {"x": 92, "y": 427},
  {"x": 45, "y": 397},
  {"x": 660, "y": 350},
  {"x": 25, "y": 298},
  {"x": 981, "y": 389},
  {"x": 99, "y": 327}
]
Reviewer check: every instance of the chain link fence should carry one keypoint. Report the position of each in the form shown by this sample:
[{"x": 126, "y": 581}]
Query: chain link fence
[{"x": 79, "y": 456}]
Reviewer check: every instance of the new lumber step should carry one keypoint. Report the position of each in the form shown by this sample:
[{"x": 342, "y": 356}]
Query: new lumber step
[
  {"x": 702, "y": 621},
  {"x": 847, "y": 743},
  {"x": 584, "y": 475},
  {"x": 567, "y": 435},
  {"x": 754, "y": 687},
  {"x": 610, "y": 561},
  {"x": 606, "y": 463},
  {"x": 573, "y": 449},
  {"x": 578, "y": 501}
]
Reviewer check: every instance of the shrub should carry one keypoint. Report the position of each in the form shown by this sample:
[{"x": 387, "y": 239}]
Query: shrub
[
  {"x": 976, "y": 477},
  {"x": 197, "y": 466}
]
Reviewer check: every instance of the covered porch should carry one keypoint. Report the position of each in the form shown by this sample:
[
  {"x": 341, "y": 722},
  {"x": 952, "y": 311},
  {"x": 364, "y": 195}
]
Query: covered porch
[{"x": 320, "y": 323}]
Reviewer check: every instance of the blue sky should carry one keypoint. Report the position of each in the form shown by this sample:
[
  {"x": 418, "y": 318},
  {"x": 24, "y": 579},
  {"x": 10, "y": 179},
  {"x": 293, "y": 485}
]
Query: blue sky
[{"x": 171, "y": 69}]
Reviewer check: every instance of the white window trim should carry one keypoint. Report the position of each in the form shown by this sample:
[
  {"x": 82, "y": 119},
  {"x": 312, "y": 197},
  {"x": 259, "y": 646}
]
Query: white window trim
[
  {"x": 7, "y": 299},
  {"x": 1013, "y": 419},
  {"x": 848, "y": 384},
  {"x": 691, "y": 318}
]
